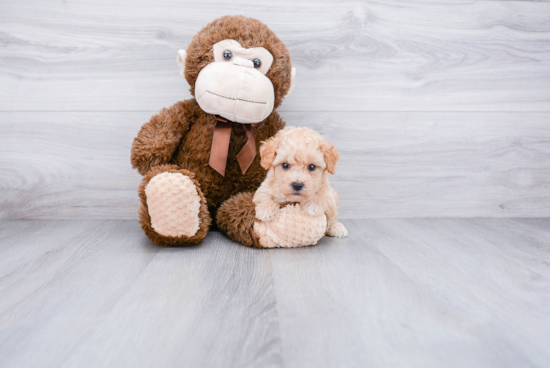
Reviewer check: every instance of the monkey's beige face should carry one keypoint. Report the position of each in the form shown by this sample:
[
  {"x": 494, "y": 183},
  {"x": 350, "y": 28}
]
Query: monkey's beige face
[
  {"x": 298, "y": 169},
  {"x": 235, "y": 85}
]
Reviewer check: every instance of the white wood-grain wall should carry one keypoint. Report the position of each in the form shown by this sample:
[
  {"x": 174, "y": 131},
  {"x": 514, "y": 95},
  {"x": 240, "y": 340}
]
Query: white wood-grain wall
[{"x": 439, "y": 108}]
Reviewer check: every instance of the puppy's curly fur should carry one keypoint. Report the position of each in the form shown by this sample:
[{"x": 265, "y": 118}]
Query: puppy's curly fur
[{"x": 299, "y": 161}]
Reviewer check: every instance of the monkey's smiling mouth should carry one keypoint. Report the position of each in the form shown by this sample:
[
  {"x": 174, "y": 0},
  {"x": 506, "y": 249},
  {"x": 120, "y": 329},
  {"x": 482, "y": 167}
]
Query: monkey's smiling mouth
[{"x": 239, "y": 99}]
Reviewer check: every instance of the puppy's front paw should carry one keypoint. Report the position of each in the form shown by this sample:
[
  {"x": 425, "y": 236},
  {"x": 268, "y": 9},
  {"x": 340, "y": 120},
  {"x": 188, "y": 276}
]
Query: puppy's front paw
[
  {"x": 314, "y": 209},
  {"x": 267, "y": 212},
  {"x": 337, "y": 230}
]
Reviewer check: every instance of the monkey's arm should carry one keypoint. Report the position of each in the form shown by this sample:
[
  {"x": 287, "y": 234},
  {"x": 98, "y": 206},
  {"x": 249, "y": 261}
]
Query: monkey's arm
[{"x": 158, "y": 139}]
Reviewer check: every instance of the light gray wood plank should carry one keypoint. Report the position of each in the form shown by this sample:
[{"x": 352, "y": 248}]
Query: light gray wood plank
[
  {"x": 57, "y": 165},
  {"x": 206, "y": 306},
  {"x": 56, "y": 299},
  {"x": 439, "y": 164},
  {"x": 109, "y": 297},
  {"x": 32, "y": 253},
  {"x": 415, "y": 293},
  {"x": 401, "y": 293},
  {"x": 77, "y": 165},
  {"x": 484, "y": 265},
  {"x": 350, "y": 55}
]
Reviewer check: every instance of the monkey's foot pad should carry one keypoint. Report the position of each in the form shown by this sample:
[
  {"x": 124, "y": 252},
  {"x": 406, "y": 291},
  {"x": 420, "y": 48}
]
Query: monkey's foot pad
[
  {"x": 290, "y": 229},
  {"x": 174, "y": 204}
]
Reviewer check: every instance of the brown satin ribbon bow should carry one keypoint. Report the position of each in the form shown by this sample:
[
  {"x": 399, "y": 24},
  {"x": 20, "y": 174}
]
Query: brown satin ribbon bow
[{"x": 220, "y": 146}]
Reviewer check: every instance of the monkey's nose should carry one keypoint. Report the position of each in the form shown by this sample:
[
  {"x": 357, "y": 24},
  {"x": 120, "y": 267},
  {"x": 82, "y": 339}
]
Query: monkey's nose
[
  {"x": 297, "y": 186},
  {"x": 243, "y": 62}
]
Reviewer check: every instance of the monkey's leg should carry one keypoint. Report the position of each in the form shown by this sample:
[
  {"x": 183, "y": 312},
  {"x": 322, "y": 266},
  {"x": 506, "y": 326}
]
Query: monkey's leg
[
  {"x": 293, "y": 227},
  {"x": 172, "y": 210},
  {"x": 236, "y": 219}
]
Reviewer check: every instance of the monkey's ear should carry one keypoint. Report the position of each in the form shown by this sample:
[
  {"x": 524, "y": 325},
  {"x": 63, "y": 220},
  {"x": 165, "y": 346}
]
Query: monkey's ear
[
  {"x": 268, "y": 151},
  {"x": 292, "y": 82},
  {"x": 181, "y": 61},
  {"x": 331, "y": 156}
]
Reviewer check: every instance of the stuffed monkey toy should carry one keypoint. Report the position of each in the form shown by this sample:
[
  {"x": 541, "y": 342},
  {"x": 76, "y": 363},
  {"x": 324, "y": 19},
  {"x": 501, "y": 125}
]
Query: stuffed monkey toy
[{"x": 199, "y": 153}]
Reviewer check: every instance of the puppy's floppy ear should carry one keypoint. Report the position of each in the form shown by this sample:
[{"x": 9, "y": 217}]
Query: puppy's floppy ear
[
  {"x": 268, "y": 151},
  {"x": 331, "y": 156}
]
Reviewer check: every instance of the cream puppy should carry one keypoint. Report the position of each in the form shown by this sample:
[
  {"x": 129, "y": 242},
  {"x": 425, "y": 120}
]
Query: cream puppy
[{"x": 299, "y": 161}]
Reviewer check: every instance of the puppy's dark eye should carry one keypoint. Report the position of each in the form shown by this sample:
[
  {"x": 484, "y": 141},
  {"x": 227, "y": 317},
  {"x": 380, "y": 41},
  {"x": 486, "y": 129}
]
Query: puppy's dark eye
[
  {"x": 286, "y": 166},
  {"x": 227, "y": 55},
  {"x": 257, "y": 63},
  {"x": 311, "y": 167}
]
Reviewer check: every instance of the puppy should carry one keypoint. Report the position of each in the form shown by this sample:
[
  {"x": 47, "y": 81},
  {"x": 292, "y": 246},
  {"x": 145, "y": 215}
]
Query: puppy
[{"x": 299, "y": 161}]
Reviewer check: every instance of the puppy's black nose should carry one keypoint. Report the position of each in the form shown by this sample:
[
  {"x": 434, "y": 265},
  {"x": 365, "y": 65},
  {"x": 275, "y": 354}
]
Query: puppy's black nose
[{"x": 297, "y": 186}]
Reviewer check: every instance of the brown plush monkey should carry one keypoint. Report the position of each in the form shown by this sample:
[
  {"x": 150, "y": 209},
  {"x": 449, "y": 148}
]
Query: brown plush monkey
[{"x": 201, "y": 152}]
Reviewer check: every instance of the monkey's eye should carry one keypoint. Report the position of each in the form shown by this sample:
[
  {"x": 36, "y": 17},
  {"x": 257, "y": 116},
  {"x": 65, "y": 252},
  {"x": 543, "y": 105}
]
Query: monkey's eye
[
  {"x": 227, "y": 55},
  {"x": 311, "y": 167},
  {"x": 286, "y": 166},
  {"x": 257, "y": 63}
]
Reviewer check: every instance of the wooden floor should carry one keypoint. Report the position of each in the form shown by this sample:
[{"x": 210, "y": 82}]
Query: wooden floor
[{"x": 396, "y": 293}]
